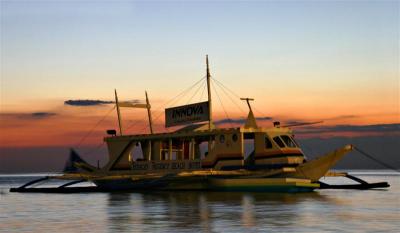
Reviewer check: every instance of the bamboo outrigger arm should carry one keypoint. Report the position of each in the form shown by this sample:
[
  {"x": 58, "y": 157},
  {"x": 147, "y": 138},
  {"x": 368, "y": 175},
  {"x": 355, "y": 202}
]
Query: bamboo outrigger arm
[{"x": 361, "y": 184}]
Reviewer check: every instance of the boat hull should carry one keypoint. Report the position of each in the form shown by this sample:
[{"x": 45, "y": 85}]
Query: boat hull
[
  {"x": 264, "y": 185},
  {"x": 291, "y": 185}
]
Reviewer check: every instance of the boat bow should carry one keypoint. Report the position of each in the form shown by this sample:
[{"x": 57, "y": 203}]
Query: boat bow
[{"x": 317, "y": 168}]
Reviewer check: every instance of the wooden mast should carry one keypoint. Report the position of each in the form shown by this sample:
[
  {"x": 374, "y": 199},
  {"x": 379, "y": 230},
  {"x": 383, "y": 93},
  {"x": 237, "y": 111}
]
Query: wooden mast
[
  {"x": 209, "y": 104},
  {"x": 209, "y": 95},
  {"x": 149, "y": 113},
  {"x": 118, "y": 113}
]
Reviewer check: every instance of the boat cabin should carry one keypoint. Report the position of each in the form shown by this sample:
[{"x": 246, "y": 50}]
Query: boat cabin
[{"x": 196, "y": 147}]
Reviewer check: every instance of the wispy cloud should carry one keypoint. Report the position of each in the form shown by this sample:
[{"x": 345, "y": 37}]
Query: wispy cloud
[
  {"x": 87, "y": 102},
  {"x": 342, "y": 117},
  {"x": 239, "y": 120},
  {"x": 380, "y": 128},
  {"x": 42, "y": 114},
  {"x": 29, "y": 116}
]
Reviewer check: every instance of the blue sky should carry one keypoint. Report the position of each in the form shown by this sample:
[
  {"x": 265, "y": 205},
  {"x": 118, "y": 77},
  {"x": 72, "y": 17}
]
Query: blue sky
[{"x": 100, "y": 43}]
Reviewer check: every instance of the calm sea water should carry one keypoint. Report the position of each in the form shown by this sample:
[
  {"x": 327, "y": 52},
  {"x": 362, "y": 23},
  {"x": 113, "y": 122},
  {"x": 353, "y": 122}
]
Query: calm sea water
[{"x": 319, "y": 211}]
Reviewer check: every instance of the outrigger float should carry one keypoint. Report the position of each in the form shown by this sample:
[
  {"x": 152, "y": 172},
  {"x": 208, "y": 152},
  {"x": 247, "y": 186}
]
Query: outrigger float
[{"x": 202, "y": 157}]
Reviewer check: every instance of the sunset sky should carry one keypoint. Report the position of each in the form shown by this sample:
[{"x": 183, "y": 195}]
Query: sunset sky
[{"x": 302, "y": 61}]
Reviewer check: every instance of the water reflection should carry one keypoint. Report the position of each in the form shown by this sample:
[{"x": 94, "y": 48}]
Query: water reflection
[
  {"x": 320, "y": 211},
  {"x": 204, "y": 211}
]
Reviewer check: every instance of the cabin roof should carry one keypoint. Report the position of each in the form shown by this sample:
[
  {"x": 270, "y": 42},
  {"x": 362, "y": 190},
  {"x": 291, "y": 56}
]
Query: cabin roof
[{"x": 198, "y": 130}]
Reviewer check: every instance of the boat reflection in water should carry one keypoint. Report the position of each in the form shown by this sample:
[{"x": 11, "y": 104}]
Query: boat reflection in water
[
  {"x": 206, "y": 211},
  {"x": 319, "y": 211}
]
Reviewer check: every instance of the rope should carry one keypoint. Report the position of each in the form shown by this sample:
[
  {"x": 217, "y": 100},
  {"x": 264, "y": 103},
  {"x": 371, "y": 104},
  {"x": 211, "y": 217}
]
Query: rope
[
  {"x": 173, "y": 100},
  {"x": 95, "y": 126},
  {"x": 202, "y": 92},
  {"x": 222, "y": 105},
  {"x": 195, "y": 93},
  {"x": 376, "y": 160},
  {"x": 132, "y": 123},
  {"x": 223, "y": 87},
  {"x": 183, "y": 92},
  {"x": 227, "y": 88},
  {"x": 261, "y": 113},
  {"x": 94, "y": 149},
  {"x": 221, "y": 84},
  {"x": 136, "y": 122}
]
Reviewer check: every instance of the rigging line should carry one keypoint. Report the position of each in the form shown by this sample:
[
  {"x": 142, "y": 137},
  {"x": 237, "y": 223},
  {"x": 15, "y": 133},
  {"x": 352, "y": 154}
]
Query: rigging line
[
  {"x": 162, "y": 126},
  {"x": 312, "y": 152},
  {"x": 222, "y": 105},
  {"x": 161, "y": 112},
  {"x": 94, "y": 149},
  {"x": 239, "y": 96},
  {"x": 142, "y": 129},
  {"x": 202, "y": 92},
  {"x": 226, "y": 88},
  {"x": 218, "y": 82},
  {"x": 181, "y": 94},
  {"x": 154, "y": 123},
  {"x": 376, "y": 160},
  {"x": 197, "y": 91},
  {"x": 95, "y": 126},
  {"x": 187, "y": 92},
  {"x": 137, "y": 122},
  {"x": 261, "y": 113},
  {"x": 230, "y": 98},
  {"x": 133, "y": 121}
]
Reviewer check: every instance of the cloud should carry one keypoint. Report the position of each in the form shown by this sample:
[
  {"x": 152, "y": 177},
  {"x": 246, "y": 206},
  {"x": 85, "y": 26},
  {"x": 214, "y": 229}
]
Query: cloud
[
  {"x": 342, "y": 117},
  {"x": 239, "y": 120},
  {"x": 33, "y": 115},
  {"x": 380, "y": 128},
  {"x": 86, "y": 102},
  {"x": 41, "y": 115}
]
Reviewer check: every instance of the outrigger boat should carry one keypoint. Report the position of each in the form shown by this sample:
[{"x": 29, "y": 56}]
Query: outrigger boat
[{"x": 202, "y": 157}]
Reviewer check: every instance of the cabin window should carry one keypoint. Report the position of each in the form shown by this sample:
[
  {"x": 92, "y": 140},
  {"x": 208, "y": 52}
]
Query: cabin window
[
  {"x": 279, "y": 141},
  {"x": 234, "y": 137},
  {"x": 222, "y": 139},
  {"x": 268, "y": 143},
  {"x": 288, "y": 141}
]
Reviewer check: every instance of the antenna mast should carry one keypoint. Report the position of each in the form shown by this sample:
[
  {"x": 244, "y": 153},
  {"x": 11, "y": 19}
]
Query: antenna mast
[
  {"x": 248, "y": 102},
  {"x": 209, "y": 94},
  {"x": 251, "y": 120}
]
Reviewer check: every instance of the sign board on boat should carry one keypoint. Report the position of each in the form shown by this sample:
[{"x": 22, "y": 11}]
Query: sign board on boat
[{"x": 187, "y": 114}]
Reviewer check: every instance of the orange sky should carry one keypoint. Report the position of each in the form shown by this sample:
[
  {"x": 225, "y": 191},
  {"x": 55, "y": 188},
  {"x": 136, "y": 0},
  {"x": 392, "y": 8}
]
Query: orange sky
[
  {"x": 70, "y": 124},
  {"x": 336, "y": 61}
]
